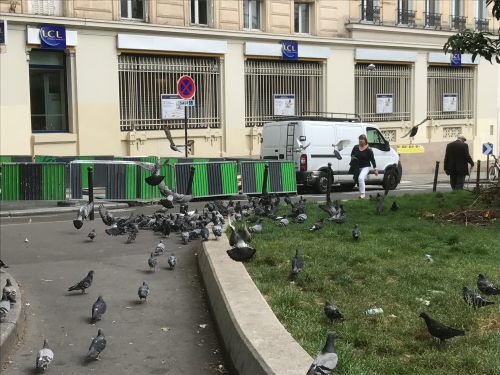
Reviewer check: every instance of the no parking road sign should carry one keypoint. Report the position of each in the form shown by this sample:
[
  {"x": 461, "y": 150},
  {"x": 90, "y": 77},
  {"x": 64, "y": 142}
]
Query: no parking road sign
[{"x": 186, "y": 87}]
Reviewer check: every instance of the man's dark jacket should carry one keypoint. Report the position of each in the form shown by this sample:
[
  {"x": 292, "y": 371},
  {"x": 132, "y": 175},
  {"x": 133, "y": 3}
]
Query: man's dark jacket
[{"x": 456, "y": 158}]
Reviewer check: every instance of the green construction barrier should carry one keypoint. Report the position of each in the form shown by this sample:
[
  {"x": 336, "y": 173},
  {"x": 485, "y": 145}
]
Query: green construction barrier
[{"x": 281, "y": 177}]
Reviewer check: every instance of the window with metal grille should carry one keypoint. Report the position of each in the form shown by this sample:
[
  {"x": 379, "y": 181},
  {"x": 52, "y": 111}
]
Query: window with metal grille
[
  {"x": 144, "y": 78},
  {"x": 389, "y": 135},
  {"x": 266, "y": 78},
  {"x": 46, "y": 7},
  {"x": 383, "y": 93},
  {"x": 450, "y": 92},
  {"x": 452, "y": 132}
]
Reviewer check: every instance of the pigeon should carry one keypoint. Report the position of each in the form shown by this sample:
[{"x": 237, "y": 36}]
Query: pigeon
[
  {"x": 2, "y": 264},
  {"x": 297, "y": 263},
  {"x": 4, "y": 306},
  {"x": 83, "y": 214},
  {"x": 300, "y": 218},
  {"x": 217, "y": 229},
  {"x": 91, "y": 235},
  {"x": 106, "y": 216},
  {"x": 84, "y": 284},
  {"x": 332, "y": 312},
  {"x": 185, "y": 237},
  {"x": 486, "y": 286},
  {"x": 475, "y": 299},
  {"x": 282, "y": 221},
  {"x": 98, "y": 308},
  {"x": 317, "y": 226},
  {"x": 9, "y": 291},
  {"x": 241, "y": 251},
  {"x": 257, "y": 228},
  {"x": 172, "y": 261},
  {"x": 329, "y": 209},
  {"x": 159, "y": 249},
  {"x": 152, "y": 262},
  {"x": 44, "y": 357},
  {"x": 380, "y": 204},
  {"x": 356, "y": 233},
  {"x": 439, "y": 330},
  {"x": 173, "y": 147},
  {"x": 394, "y": 206},
  {"x": 326, "y": 360},
  {"x": 205, "y": 233},
  {"x": 97, "y": 345},
  {"x": 143, "y": 291}
]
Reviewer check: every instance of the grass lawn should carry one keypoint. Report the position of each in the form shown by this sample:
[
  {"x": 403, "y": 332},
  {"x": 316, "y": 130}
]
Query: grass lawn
[{"x": 387, "y": 269}]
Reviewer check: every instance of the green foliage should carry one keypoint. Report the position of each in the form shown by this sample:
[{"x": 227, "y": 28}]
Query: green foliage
[{"x": 387, "y": 269}]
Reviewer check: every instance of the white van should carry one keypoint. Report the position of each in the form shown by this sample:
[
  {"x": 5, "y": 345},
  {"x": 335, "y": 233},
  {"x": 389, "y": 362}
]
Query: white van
[{"x": 311, "y": 141}]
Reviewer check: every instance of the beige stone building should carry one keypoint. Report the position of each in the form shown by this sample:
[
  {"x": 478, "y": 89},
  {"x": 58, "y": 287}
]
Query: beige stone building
[{"x": 100, "y": 94}]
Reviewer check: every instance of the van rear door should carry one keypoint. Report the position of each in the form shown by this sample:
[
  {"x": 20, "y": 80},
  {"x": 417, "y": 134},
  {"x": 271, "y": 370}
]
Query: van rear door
[{"x": 270, "y": 141}]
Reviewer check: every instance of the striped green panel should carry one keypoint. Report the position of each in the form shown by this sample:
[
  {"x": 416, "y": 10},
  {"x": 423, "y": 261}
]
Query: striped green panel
[
  {"x": 5, "y": 159},
  {"x": 200, "y": 161},
  {"x": 9, "y": 183},
  {"x": 53, "y": 181},
  {"x": 168, "y": 170},
  {"x": 45, "y": 159},
  {"x": 259, "y": 177},
  {"x": 130, "y": 182},
  {"x": 229, "y": 178},
  {"x": 288, "y": 177},
  {"x": 200, "y": 181}
]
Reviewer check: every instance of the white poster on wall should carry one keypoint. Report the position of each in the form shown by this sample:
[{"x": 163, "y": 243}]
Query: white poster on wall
[
  {"x": 284, "y": 105},
  {"x": 450, "y": 102},
  {"x": 384, "y": 103},
  {"x": 171, "y": 107}
]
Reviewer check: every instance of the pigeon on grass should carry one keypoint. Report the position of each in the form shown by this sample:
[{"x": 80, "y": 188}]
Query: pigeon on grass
[
  {"x": 326, "y": 360},
  {"x": 394, "y": 206},
  {"x": 356, "y": 233},
  {"x": 439, "y": 330},
  {"x": 332, "y": 312},
  {"x": 84, "y": 284},
  {"x": 475, "y": 299},
  {"x": 44, "y": 357},
  {"x": 97, "y": 345},
  {"x": 486, "y": 286},
  {"x": 297, "y": 263}
]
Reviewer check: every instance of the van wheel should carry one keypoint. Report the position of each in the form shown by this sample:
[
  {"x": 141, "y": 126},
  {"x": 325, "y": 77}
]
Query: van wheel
[
  {"x": 390, "y": 181},
  {"x": 322, "y": 185}
]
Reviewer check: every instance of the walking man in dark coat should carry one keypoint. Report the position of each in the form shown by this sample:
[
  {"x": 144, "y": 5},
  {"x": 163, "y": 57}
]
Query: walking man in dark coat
[{"x": 455, "y": 162}]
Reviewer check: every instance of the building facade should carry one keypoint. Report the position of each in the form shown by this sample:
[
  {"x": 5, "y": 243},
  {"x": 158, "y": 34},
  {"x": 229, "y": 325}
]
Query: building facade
[{"x": 100, "y": 92}]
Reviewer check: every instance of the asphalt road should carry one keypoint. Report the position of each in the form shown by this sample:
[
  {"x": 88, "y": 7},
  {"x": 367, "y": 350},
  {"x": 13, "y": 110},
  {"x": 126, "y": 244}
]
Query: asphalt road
[{"x": 172, "y": 333}]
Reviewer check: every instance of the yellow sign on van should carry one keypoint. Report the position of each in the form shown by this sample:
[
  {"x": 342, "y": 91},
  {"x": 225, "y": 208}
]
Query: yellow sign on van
[{"x": 410, "y": 149}]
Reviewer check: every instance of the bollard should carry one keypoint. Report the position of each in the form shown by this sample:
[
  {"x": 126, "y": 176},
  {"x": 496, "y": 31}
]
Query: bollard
[
  {"x": 487, "y": 166},
  {"x": 329, "y": 187},
  {"x": 478, "y": 174},
  {"x": 436, "y": 172},
  {"x": 264, "y": 180},
  {"x": 189, "y": 190},
  {"x": 90, "y": 175}
]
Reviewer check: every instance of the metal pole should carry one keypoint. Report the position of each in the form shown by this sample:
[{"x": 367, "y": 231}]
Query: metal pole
[
  {"x": 264, "y": 180},
  {"x": 478, "y": 174},
  {"x": 436, "y": 172},
  {"x": 90, "y": 175},
  {"x": 186, "y": 130},
  {"x": 329, "y": 187},
  {"x": 487, "y": 166}
]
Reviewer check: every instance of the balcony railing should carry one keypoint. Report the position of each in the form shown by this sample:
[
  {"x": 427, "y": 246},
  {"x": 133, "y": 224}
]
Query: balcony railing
[
  {"x": 406, "y": 17},
  {"x": 482, "y": 24},
  {"x": 433, "y": 20},
  {"x": 458, "y": 22},
  {"x": 371, "y": 14}
]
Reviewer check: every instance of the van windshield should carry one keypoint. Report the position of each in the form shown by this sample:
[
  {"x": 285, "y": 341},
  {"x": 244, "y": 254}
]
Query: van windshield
[{"x": 376, "y": 139}]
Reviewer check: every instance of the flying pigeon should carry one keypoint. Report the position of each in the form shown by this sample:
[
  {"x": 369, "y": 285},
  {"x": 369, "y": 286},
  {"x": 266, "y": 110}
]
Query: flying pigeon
[
  {"x": 97, "y": 346},
  {"x": 9, "y": 291},
  {"x": 173, "y": 147},
  {"x": 439, "y": 330},
  {"x": 106, "y": 216},
  {"x": 241, "y": 251},
  {"x": 2, "y": 264},
  {"x": 317, "y": 226},
  {"x": 98, "y": 308},
  {"x": 301, "y": 147},
  {"x": 91, "y": 235},
  {"x": 83, "y": 214},
  {"x": 394, "y": 206},
  {"x": 326, "y": 360},
  {"x": 356, "y": 232},
  {"x": 486, "y": 286},
  {"x": 84, "y": 284},
  {"x": 143, "y": 291},
  {"x": 152, "y": 262},
  {"x": 475, "y": 299},
  {"x": 332, "y": 312},
  {"x": 4, "y": 306},
  {"x": 172, "y": 261},
  {"x": 297, "y": 263},
  {"x": 44, "y": 357}
]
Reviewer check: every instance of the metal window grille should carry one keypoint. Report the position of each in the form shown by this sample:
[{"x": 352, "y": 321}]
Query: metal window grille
[
  {"x": 144, "y": 78},
  {"x": 264, "y": 79},
  {"x": 395, "y": 80},
  {"x": 452, "y": 132},
  {"x": 45, "y": 7},
  {"x": 389, "y": 135},
  {"x": 448, "y": 80}
]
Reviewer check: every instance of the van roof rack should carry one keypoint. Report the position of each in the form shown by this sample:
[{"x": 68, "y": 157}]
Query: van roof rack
[{"x": 321, "y": 116}]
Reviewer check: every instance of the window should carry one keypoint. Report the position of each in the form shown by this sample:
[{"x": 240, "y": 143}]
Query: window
[
  {"x": 142, "y": 79},
  {"x": 48, "y": 91},
  {"x": 132, "y": 9},
  {"x": 482, "y": 21},
  {"x": 251, "y": 14},
  {"x": 46, "y": 7},
  {"x": 200, "y": 12},
  {"x": 266, "y": 78},
  {"x": 383, "y": 94},
  {"x": 450, "y": 92},
  {"x": 432, "y": 15},
  {"x": 406, "y": 16},
  {"x": 370, "y": 11},
  {"x": 458, "y": 21},
  {"x": 376, "y": 139},
  {"x": 301, "y": 17}
]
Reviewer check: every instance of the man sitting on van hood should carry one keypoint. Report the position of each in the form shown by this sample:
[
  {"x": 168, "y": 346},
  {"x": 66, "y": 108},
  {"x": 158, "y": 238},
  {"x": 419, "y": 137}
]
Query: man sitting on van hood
[{"x": 364, "y": 155}]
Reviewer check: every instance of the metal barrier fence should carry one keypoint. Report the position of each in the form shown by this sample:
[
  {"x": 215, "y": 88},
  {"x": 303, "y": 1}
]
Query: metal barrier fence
[{"x": 281, "y": 179}]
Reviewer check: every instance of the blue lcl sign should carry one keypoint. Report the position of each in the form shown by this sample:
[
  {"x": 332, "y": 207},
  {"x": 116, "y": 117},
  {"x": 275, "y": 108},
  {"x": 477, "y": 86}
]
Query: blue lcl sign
[
  {"x": 456, "y": 60},
  {"x": 289, "y": 50},
  {"x": 53, "y": 36}
]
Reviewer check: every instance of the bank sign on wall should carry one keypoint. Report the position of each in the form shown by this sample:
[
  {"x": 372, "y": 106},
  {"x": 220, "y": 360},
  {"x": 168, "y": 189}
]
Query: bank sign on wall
[{"x": 53, "y": 37}]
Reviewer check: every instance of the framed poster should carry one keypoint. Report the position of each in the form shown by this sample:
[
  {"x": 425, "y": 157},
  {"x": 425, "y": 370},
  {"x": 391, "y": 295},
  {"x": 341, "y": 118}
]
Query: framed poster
[
  {"x": 450, "y": 102},
  {"x": 384, "y": 103},
  {"x": 284, "y": 105},
  {"x": 171, "y": 107}
]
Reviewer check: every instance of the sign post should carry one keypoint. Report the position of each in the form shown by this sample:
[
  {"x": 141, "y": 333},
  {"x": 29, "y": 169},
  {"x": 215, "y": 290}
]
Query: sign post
[{"x": 186, "y": 90}]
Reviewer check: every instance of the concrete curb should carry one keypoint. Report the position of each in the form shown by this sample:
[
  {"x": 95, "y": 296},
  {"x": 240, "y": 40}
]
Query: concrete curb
[
  {"x": 13, "y": 325},
  {"x": 56, "y": 210},
  {"x": 255, "y": 341}
]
